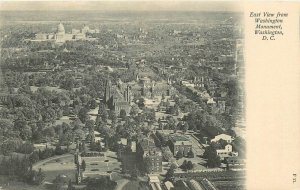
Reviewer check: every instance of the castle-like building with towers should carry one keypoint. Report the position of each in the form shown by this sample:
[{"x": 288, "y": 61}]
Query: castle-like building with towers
[
  {"x": 60, "y": 36},
  {"x": 118, "y": 97}
]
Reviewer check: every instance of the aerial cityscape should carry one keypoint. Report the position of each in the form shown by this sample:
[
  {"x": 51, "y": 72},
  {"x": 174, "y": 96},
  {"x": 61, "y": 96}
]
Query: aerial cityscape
[{"x": 122, "y": 100}]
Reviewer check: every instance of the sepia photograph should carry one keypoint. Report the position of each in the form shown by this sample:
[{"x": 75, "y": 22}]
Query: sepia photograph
[{"x": 122, "y": 95}]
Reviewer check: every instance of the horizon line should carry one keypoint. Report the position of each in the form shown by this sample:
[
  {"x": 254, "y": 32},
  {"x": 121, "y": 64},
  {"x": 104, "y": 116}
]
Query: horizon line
[{"x": 137, "y": 5}]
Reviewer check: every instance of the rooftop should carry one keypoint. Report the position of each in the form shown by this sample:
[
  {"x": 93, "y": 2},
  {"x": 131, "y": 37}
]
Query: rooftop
[
  {"x": 178, "y": 138},
  {"x": 147, "y": 144},
  {"x": 153, "y": 179}
]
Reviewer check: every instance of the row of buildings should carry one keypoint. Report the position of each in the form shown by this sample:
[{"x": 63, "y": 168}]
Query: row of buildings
[
  {"x": 191, "y": 184},
  {"x": 60, "y": 36},
  {"x": 149, "y": 158},
  {"x": 149, "y": 155},
  {"x": 119, "y": 96}
]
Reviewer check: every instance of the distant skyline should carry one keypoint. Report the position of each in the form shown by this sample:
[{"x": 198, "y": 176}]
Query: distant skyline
[{"x": 117, "y": 5}]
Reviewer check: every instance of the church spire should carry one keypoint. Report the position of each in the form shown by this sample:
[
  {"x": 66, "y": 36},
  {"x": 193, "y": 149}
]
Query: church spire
[{"x": 107, "y": 93}]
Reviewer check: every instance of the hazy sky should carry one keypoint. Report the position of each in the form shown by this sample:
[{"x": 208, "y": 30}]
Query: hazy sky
[{"x": 122, "y": 5}]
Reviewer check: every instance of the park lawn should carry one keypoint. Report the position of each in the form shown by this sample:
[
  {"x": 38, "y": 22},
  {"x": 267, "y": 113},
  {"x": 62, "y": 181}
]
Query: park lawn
[
  {"x": 63, "y": 119},
  {"x": 132, "y": 185},
  {"x": 64, "y": 166},
  {"x": 7, "y": 184}
]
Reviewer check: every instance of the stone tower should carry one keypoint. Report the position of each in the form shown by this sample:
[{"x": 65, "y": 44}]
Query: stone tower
[
  {"x": 107, "y": 92},
  {"x": 127, "y": 94}
]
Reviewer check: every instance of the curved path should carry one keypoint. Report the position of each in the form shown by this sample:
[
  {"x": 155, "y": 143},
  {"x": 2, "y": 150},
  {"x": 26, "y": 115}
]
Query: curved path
[
  {"x": 39, "y": 163},
  {"x": 121, "y": 184}
]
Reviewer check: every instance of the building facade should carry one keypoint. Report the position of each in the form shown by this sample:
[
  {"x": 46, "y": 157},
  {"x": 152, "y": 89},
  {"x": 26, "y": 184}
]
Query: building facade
[
  {"x": 60, "y": 35},
  {"x": 144, "y": 86},
  {"x": 225, "y": 137},
  {"x": 117, "y": 97},
  {"x": 149, "y": 155},
  {"x": 226, "y": 152},
  {"x": 180, "y": 143}
]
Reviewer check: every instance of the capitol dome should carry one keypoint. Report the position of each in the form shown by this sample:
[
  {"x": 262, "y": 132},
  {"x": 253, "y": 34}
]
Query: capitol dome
[{"x": 60, "y": 28}]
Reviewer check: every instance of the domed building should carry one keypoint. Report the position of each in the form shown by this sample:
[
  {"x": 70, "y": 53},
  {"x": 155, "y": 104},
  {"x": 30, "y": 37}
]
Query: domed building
[
  {"x": 85, "y": 30},
  {"x": 60, "y": 34},
  {"x": 60, "y": 28}
]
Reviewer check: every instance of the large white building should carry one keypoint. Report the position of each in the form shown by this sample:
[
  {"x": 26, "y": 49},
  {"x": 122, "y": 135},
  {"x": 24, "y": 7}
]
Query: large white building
[
  {"x": 225, "y": 137},
  {"x": 60, "y": 36},
  {"x": 226, "y": 152}
]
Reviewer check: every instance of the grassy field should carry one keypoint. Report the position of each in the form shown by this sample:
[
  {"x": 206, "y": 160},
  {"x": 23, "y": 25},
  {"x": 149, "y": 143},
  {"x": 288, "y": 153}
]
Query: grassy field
[
  {"x": 58, "y": 166},
  {"x": 63, "y": 119},
  {"x": 51, "y": 169},
  {"x": 14, "y": 184}
]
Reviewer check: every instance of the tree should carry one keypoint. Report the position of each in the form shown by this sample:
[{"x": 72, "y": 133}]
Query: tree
[
  {"x": 26, "y": 148},
  {"x": 176, "y": 109},
  {"x": 67, "y": 139},
  {"x": 37, "y": 136},
  {"x": 68, "y": 83},
  {"x": 189, "y": 165},
  {"x": 5, "y": 126},
  {"x": 197, "y": 119},
  {"x": 158, "y": 108},
  {"x": 96, "y": 146},
  {"x": 231, "y": 132},
  {"x": 149, "y": 114},
  {"x": 34, "y": 157},
  {"x": 134, "y": 172},
  {"x": 167, "y": 104},
  {"x": 83, "y": 147},
  {"x": 49, "y": 132},
  {"x": 108, "y": 134},
  {"x": 146, "y": 130},
  {"x": 134, "y": 110},
  {"x": 190, "y": 154},
  {"x": 185, "y": 127},
  {"x": 160, "y": 125},
  {"x": 70, "y": 185},
  {"x": 147, "y": 165},
  {"x": 180, "y": 125},
  {"x": 170, "y": 174},
  {"x": 90, "y": 124},
  {"x": 103, "y": 183},
  {"x": 213, "y": 160},
  {"x": 141, "y": 103},
  {"x": 184, "y": 165},
  {"x": 179, "y": 154},
  {"x": 59, "y": 150},
  {"x": 82, "y": 115},
  {"x": 113, "y": 115},
  {"x": 93, "y": 104},
  {"x": 123, "y": 114},
  {"x": 34, "y": 177},
  {"x": 171, "y": 123},
  {"x": 79, "y": 134},
  {"x": 26, "y": 132},
  {"x": 83, "y": 165},
  {"x": 60, "y": 181},
  {"x": 104, "y": 115},
  {"x": 46, "y": 153},
  {"x": 10, "y": 145}
]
